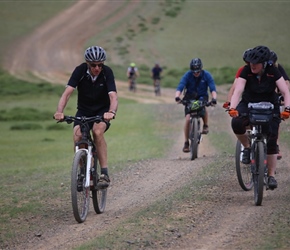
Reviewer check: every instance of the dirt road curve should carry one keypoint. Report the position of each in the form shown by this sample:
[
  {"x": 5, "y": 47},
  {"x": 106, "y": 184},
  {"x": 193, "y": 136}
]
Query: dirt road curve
[
  {"x": 227, "y": 218},
  {"x": 56, "y": 47}
]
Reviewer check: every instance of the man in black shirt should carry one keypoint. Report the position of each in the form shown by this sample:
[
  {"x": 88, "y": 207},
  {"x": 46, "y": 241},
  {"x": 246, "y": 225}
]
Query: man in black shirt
[{"x": 97, "y": 95}]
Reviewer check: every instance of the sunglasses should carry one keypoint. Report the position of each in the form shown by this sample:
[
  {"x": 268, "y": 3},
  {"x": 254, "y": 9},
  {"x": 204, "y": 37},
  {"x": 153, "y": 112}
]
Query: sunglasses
[
  {"x": 93, "y": 65},
  {"x": 196, "y": 71}
]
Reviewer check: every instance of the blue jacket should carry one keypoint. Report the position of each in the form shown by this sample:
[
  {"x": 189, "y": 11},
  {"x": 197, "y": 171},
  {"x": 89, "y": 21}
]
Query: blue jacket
[{"x": 197, "y": 85}]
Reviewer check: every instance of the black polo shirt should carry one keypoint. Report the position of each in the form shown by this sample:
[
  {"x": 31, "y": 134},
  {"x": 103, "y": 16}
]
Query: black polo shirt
[
  {"x": 259, "y": 89},
  {"x": 93, "y": 96}
]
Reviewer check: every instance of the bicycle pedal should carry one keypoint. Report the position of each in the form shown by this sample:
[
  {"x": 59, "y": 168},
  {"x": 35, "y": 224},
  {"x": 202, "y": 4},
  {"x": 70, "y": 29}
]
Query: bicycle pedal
[{"x": 80, "y": 188}]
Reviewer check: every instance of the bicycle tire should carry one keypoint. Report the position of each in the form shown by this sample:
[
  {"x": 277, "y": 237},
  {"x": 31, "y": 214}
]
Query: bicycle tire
[
  {"x": 244, "y": 174},
  {"x": 157, "y": 88},
  {"x": 258, "y": 174},
  {"x": 99, "y": 195},
  {"x": 194, "y": 138},
  {"x": 133, "y": 85},
  {"x": 80, "y": 198}
]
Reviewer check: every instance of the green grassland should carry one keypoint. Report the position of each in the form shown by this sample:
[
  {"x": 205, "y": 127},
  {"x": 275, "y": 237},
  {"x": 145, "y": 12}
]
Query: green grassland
[
  {"x": 173, "y": 32},
  {"x": 169, "y": 32}
]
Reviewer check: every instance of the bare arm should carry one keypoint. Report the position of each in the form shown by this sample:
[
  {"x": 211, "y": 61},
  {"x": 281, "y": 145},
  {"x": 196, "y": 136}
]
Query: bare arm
[
  {"x": 62, "y": 103},
  {"x": 238, "y": 90},
  {"x": 231, "y": 91},
  {"x": 282, "y": 85},
  {"x": 288, "y": 84},
  {"x": 113, "y": 106},
  {"x": 113, "y": 101}
]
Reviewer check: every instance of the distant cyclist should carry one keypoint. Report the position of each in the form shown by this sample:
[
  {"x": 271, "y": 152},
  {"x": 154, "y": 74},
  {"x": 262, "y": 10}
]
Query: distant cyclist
[
  {"x": 196, "y": 83},
  {"x": 156, "y": 76},
  {"x": 132, "y": 74}
]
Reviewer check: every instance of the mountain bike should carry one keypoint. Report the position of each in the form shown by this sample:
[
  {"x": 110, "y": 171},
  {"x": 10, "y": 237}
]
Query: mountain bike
[
  {"x": 132, "y": 86},
  {"x": 255, "y": 174},
  {"x": 197, "y": 111},
  {"x": 157, "y": 89},
  {"x": 85, "y": 172}
]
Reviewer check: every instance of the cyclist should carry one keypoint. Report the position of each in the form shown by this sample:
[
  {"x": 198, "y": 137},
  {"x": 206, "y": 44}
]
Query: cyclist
[
  {"x": 257, "y": 83},
  {"x": 97, "y": 95},
  {"x": 272, "y": 60},
  {"x": 155, "y": 74},
  {"x": 195, "y": 82},
  {"x": 132, "y": 74}
]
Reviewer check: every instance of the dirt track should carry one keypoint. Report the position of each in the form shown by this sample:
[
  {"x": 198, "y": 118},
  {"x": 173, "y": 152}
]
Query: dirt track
[{"x": 225, "y": 221}]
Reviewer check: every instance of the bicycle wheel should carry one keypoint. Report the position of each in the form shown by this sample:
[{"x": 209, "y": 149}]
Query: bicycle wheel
[
  {"x": 244, "y": 173},
  {"x": 157, "y": 88},
  {"x": 194, "y": 138},
  {"x": 133, "y": 85},
  {"x": 258, "y": 174},
  {"x": 80, "y": 195},
  {"x": 99, "y": 195}
]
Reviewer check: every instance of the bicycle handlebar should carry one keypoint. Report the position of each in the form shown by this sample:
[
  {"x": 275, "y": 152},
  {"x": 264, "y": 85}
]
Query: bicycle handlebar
[
  {"x": 82, "y": 119},
  {"x": 201, "y": 103}
]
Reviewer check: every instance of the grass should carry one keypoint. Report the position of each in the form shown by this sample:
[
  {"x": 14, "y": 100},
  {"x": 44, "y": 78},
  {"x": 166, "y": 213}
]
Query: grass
[
  {"x": 216, "y": 31},
  {"x": 20, "y": 18}
]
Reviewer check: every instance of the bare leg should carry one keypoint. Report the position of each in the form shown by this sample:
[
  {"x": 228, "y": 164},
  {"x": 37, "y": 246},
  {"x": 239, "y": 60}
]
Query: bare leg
[
  {"x": 272, "y": 163},
  {"x": 244, "y": 139},
  {"x": 77, "y": 134},
  {"x": 186, "y": 127},
  {"x": 205, "y": 118},
  {"x": 101, "y": 145}
]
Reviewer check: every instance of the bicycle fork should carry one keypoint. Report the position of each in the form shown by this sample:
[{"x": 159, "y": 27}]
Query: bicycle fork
[{"x": 254, "y": 168}]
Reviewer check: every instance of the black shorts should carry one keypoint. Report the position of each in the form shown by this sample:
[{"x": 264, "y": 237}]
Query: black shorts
[{"x": 91, "y": 124}]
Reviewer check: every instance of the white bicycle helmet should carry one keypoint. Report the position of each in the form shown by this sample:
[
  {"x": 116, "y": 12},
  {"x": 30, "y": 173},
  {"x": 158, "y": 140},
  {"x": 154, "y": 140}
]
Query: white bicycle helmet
[{"x": 95, "y": 54}]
